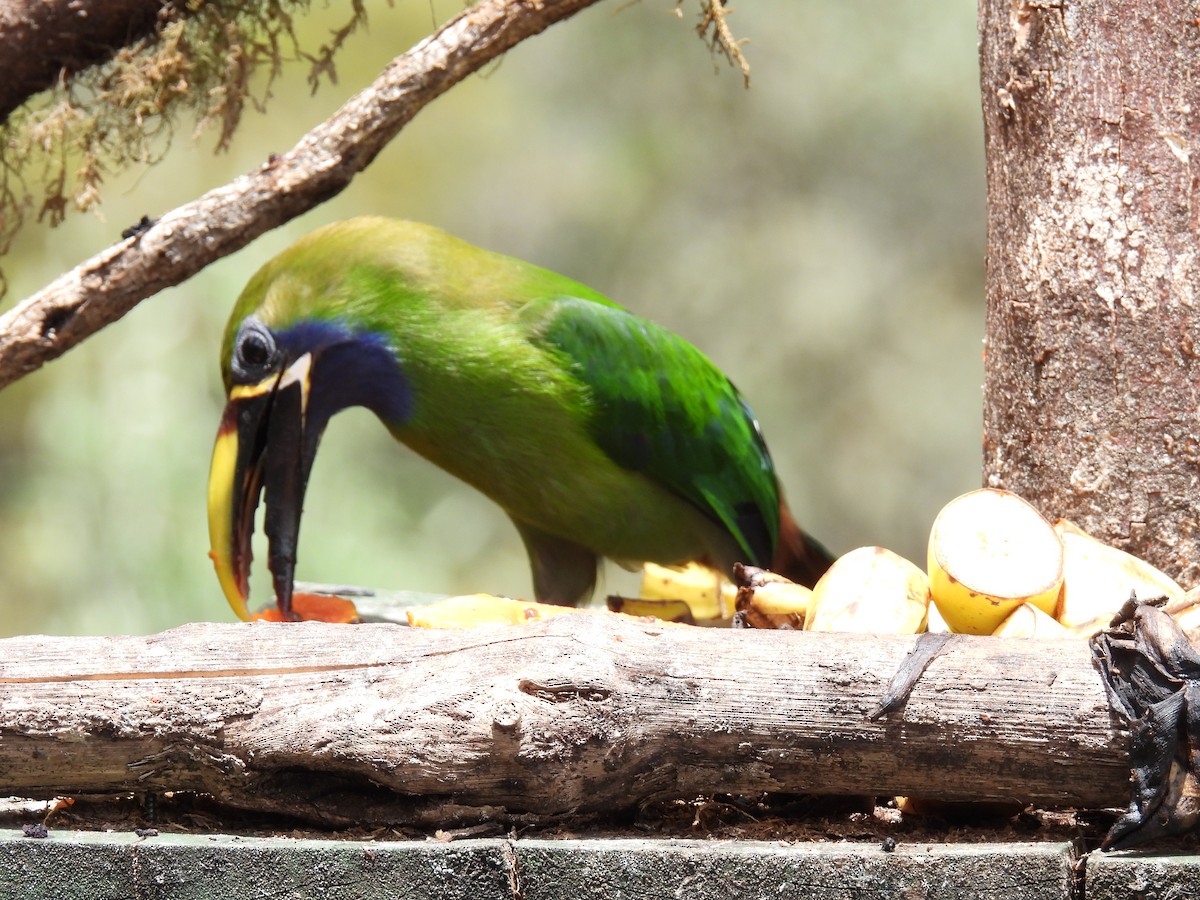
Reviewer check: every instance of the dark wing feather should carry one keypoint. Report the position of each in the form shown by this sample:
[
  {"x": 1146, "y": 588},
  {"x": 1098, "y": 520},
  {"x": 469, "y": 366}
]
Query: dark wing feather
[{"x": 660, "y": 407}]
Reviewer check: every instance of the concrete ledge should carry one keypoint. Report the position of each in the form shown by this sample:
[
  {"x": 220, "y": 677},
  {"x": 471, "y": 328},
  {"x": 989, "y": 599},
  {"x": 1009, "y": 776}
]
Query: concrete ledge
[
  {"x": 89, "y": 866},
  {"x": 97, "y": 866},
  {"x": 552, "y": 870},
  {"x": 1137, "y": 875},
  {"x": 76, "y": 865},
  {"x": 100, "y": 866}
]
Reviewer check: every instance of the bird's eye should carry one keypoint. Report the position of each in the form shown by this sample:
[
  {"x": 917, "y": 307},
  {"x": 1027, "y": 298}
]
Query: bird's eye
[{"x": 255, "y": 348}]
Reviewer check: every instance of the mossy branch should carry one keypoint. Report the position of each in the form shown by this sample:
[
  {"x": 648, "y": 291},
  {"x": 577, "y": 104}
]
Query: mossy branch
[
  {"x": 116, "y": 75},
  {"x": 712, "y": 16},
  {"x": 182, "y": 242},
  {"x": 44, "y": 44}
]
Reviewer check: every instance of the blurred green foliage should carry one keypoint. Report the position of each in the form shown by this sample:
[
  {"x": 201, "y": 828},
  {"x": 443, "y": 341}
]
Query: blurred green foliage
[{"x": 820, "y": 236}]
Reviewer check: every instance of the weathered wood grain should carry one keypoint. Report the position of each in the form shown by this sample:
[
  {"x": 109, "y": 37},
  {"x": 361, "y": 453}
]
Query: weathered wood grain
[{"x": 380, "y": 723}]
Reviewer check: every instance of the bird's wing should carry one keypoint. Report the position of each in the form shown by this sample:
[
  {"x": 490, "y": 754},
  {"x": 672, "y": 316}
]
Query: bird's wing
[{"x": 660, "y": 407}]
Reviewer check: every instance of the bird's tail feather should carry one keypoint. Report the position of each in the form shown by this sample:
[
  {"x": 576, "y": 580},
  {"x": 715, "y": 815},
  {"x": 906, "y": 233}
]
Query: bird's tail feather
[{"x": 798, "y": 556}]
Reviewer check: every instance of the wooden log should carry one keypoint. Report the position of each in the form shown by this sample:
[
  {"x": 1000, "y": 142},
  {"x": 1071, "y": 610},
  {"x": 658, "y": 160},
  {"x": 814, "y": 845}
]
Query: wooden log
[{"x": 587, "y": 712}]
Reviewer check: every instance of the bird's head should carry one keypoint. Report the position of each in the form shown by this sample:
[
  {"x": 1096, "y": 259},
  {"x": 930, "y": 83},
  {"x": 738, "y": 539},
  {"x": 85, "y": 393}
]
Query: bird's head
[{"x": 301, "y": 345}]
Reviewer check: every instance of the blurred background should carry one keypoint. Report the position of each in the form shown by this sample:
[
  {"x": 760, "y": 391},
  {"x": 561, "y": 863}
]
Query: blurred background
[{"x": 820, "y": 236}]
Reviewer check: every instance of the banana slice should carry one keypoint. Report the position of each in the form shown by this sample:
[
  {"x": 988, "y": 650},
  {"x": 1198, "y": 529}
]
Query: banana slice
[
  {"x": 707, "y": 594},
  {"x": 472, "y": 610},
  {"x": 667, "y": 610},
  {"x": 870, "y": 590},
  {"x": 989, "y": 552}
]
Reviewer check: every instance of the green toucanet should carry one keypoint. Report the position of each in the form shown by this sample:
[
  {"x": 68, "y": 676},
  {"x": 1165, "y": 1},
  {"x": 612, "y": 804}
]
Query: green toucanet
[{"x": 599, "y": 433}]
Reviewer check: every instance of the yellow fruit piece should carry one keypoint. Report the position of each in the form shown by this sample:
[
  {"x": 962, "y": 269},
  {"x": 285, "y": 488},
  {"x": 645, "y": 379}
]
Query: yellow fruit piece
[
  {"x": 472, "y": 610},
  {"x": 1186, "y": 613},
  {"x": 1027, "y": 621},
  {"x": 667, "y": 610},
  {"x": 782, "y": 598},
  {"x": 767, "y": 600},
  {"x": 708, "y": 594},
  {"x": 870, "y": 590},
  {"x": 1097, "y": 578},
  {"x": 989, "y": 552}
]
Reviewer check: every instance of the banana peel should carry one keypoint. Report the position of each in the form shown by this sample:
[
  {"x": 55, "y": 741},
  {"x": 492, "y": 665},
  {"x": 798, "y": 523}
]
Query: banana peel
[
  {"x": 870, "y": 590},
  {"x": 1097, "y": 578},
  {"x": 692, "y": 593},
  {"x": 768, "y": 600},
  {"x": 990, "y": 552},
  {"x": 473, "y": 610}
]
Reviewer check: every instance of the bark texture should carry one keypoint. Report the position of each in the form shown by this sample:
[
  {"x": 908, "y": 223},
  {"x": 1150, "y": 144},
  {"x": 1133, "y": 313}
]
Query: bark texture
[
  {"x": 582, "y": 712},
  {"x": 1092, "y": 380},
  {"x": 41, "y": 40},
  {"x": 100, "y": 290}
]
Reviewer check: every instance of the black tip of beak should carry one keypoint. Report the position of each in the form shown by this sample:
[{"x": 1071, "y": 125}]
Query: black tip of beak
[{"x": 290, "y": 451}]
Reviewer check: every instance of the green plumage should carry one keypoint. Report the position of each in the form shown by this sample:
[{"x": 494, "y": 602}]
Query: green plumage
[
  {"x": 599, "y": 433},
  {"x": 660, "y": 407}
]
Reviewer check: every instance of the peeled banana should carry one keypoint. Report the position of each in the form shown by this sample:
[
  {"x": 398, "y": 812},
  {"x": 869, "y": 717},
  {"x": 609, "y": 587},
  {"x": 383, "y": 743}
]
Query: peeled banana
[
  {"x": 692, "y": 593},
  {"x": 471, "y": 610},
  {"x": 767, "y": 600}
]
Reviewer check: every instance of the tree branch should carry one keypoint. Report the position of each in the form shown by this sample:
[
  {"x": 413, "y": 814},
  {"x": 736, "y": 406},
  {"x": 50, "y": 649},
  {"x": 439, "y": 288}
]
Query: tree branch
[
  {"x": 181, "y": 243},
  {"x": 587, "y": 712}
]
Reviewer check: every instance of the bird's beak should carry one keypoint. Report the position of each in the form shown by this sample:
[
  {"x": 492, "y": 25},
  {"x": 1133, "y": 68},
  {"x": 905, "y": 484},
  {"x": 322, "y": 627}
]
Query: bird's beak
[{"x": 264, "y": 445}]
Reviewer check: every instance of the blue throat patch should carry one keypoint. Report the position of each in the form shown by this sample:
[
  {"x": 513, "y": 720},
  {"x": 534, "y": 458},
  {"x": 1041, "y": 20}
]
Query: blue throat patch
[{"x": 350, "y": 368}]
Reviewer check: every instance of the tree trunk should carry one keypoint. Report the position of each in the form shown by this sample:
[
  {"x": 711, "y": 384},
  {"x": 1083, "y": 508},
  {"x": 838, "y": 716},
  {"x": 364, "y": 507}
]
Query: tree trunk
[
  {"x": 587, "y": 712},
  {"x": 1092, "y": 120}
]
